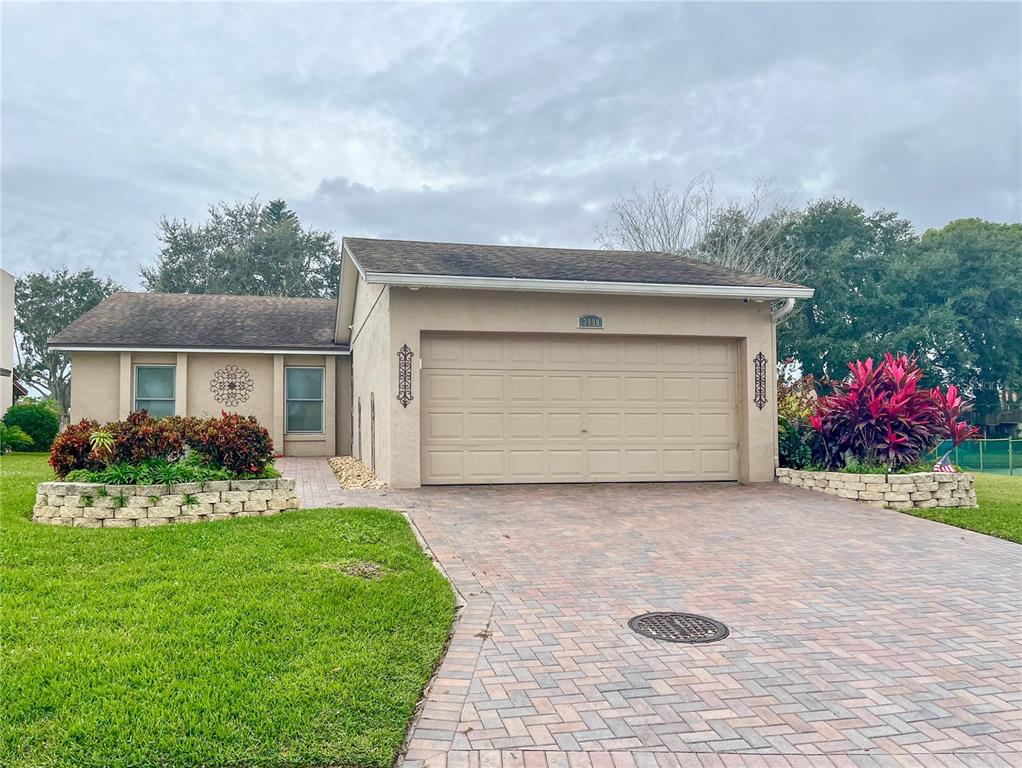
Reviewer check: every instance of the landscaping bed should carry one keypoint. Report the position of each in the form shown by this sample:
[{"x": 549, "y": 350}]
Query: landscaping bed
[
  {"x": 917, "y": 490},
  {"x": 95, "y": 505},
  {"x": 352, "y": 473},
  {"x": 293, "y": 640}
]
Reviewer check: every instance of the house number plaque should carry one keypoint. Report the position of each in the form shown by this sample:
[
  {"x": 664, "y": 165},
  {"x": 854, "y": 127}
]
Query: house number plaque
[{"x": 590, "y": 321}]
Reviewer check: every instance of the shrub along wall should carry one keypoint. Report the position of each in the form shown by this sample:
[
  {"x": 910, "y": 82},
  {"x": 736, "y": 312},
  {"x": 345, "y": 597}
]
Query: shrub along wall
[
  {"x": 916, "y": 490},
  {"x": 94, "y": 505}
]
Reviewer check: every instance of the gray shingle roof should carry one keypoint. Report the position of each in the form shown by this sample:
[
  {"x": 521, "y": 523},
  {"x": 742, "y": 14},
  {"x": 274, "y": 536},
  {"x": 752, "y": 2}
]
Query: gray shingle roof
[
  {"x": 526, "y": 262},
  {"x": 181, "y": 320}
]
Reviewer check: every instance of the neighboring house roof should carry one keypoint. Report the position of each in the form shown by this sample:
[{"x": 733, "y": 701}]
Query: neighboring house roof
[
  {"x": 20, "y": 390},
  {"x": 407, "y": 257},
  {"x": 200, "y": 321}
]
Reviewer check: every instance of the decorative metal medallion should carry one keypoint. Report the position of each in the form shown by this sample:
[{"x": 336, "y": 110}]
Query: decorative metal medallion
[
  {"x": 590, "y": 321},
  {"x": 678, "y": 627},
  {"x": 231, "y": 385},
  {"x": 760, "y": 398},
  {"x": 404, "y": 376}
]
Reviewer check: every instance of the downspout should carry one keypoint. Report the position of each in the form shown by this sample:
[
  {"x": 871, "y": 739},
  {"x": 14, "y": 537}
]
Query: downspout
[
  {"x": 777, "y": 316},
  {"x": 783, "y": 311}
]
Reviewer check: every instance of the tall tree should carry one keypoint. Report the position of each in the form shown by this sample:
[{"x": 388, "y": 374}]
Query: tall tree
[
  {"x": 245, "y": 248},
  {"x": 749, "y": 233},
  {"x": 849, "y": 256},
  {"x": 44, "y": 304},
  {"x": 961, "y": 289}
]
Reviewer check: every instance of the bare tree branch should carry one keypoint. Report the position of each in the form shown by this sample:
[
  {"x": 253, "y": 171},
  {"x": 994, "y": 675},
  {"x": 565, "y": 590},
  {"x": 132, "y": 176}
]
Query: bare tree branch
[{"x": 749, "y": 233}]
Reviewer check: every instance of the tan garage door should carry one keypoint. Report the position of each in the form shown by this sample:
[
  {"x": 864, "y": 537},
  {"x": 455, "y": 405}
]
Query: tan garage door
[{"x": 556, "y": 409}]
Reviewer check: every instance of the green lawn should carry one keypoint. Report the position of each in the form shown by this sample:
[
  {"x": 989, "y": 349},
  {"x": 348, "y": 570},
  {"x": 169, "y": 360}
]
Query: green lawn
[
  {"x": 999, "y": 513},
  {"x": 229, "y": 643}
]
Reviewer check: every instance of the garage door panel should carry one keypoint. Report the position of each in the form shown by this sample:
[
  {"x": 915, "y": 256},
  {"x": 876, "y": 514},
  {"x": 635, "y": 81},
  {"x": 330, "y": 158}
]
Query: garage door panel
[
  {"x": 680, "y": 426},
  {"x": 522, "y": 388},
  {"x": 488, "y": 387},
  {"x": 604, "y": 426},
  {"x": 641, "y": 353},
  {"x": 679, "y": 354},
  {"x": 526, "y": 352},
  {"x": 563, "y": 388},
  {"x": 438, "y": 387},
  {"x": 577, "y": 408},
  {"x": 604, "y": 388},
  {"x": 444, "y": 349},
  {"x": 484, "y": 426},
  {"x": 567, "y": 465},
  {"x": 444, "y": 465},
  {"x": 526, "y": 465},
  {"x": 563, "y": 352},
  {"x": 675, "y": 389},
  {"x": 603, "y": 355},
  {"x": 444, "y": 426},
  {"x": 564, "y": 426},
  {"x": 486, "y": 464},
  {"x": 640, "y": 426},
  {"x": 642, "y": 463},
  {"x": 717, "y": 462},
  {"x": 605, "y": 464},
  {"x": 713, "y": 356},
  {"x": 641, "y": 389},
  {"x": 717, "y": 390},
  {"x": 716, "y": 426},
  {"x": 681, "y": 462},
  {"x": 483, "y": 349},
  {"x": 525, "y": 426}
]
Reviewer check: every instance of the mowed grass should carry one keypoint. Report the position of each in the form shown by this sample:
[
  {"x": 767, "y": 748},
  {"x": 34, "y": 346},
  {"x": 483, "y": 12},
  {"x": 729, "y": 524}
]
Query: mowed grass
[
  {"x": 999, "y": 512},
  {"x": 229, "y": 643}
]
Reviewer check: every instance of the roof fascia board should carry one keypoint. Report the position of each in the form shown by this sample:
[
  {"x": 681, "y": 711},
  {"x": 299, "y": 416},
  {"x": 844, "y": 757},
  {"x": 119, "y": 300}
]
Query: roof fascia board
[
  {"x": 586, "y": 286},
  {"x": 346, "y": 295},
  {"x": 216, "y": 350}
]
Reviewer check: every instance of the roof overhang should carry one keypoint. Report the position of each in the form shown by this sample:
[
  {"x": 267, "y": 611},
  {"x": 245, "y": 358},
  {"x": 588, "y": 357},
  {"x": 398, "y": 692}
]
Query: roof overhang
[
  {"x": 351, "y": 270},
  {"x": 216, "y": 350},
  {"x": 589, "y": 286}
]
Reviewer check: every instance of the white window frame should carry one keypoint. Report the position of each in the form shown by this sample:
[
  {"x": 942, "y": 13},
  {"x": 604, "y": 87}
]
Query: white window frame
[
  {"x": 173, "y": 398},
  {"x": 321, "y": 400}
]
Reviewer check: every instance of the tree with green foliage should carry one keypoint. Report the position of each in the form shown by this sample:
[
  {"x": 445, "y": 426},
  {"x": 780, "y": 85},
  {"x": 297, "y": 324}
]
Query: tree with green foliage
[
  {"x": 952, "y": 297},
  {"x": 40, "y": 420},
  {"x": 848, "y": 253},
  {"x": 46, "y": 302},
  {"x": 245, "y": 248},
  {"x": 961, "y": 306}
]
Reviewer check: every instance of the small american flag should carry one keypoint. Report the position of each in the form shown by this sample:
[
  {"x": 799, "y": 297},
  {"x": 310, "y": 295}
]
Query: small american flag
[{"x": 944, "y": 465}]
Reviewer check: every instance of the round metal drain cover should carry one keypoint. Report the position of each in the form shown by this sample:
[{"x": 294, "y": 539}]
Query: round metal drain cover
[{"x": 678, "y": 627}]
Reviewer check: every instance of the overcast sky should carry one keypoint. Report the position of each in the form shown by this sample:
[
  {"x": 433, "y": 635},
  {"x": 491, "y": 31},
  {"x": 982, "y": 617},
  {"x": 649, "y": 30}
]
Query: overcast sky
[{"x": 485, "y": 123}]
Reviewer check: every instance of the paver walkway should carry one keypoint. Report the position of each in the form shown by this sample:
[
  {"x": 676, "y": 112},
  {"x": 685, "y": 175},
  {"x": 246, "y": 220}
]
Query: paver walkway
[{"x": 859, "y": 637}]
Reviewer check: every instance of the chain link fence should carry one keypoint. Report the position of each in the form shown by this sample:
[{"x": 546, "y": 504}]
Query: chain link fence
[{"x": 1002, "y": 456}]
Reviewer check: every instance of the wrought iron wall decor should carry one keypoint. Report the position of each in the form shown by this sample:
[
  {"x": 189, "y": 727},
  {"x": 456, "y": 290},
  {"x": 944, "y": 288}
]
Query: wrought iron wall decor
[
  {"x": 231, "y": 385},
  {"x": 404, "y": 376},
  {"x": 760, "y": 398}
]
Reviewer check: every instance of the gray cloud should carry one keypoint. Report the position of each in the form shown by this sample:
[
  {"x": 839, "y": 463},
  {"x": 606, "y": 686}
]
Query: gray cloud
[{"x": 510, "y": 123}]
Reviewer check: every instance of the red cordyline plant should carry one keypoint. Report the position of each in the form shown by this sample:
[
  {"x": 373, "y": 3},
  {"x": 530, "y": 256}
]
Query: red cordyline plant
[{"x": 880, "y": 416}]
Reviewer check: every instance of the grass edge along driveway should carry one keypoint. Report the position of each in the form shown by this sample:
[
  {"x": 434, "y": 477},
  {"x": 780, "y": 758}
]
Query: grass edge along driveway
[
  {"x": 999, "y": 513},
  {"x": 240, "y": 642}
]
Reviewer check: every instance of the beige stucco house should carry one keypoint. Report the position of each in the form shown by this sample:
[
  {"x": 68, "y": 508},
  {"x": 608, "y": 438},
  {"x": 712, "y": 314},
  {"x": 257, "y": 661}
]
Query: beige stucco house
[
  {"x": 8, "y": 383},
  {"x": 444, "y": 363}
]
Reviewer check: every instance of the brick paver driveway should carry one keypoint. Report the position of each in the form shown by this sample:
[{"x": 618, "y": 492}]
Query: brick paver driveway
[{"x": 858, "y": 637}]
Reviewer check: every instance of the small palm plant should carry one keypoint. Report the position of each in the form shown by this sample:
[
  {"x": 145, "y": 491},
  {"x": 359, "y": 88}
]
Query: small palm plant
[
  {"x": 13, "y": 438},
  {"x": 102, "y": 442}
]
